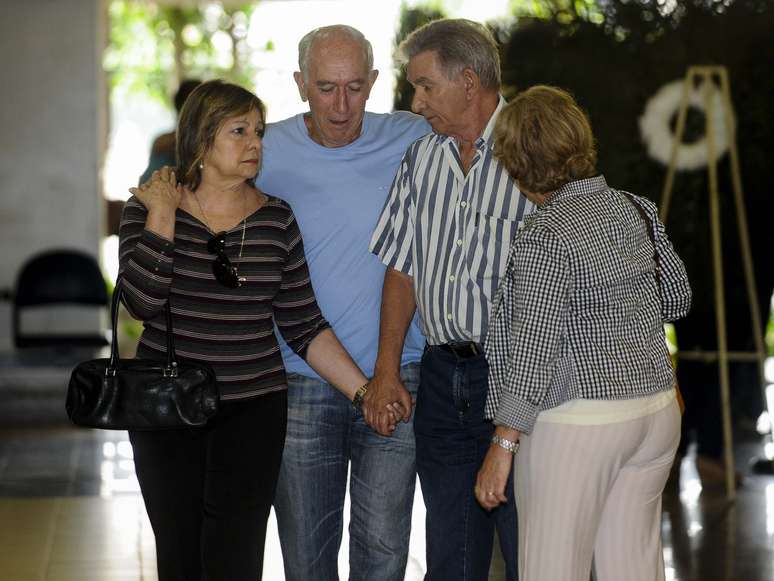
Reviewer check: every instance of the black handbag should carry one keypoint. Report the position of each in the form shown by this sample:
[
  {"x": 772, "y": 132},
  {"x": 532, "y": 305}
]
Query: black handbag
[{"x": 141, "y": 394}]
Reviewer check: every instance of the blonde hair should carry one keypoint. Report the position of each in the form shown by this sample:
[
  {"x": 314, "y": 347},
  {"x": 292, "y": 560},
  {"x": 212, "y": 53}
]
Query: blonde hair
[{"x": 544, "y": 140}]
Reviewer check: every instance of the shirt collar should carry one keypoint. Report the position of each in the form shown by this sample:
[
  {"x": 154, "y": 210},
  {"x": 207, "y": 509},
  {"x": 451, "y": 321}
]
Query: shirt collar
[
  {"x": 580, "y": 187},
  {"x": 487, "y": 137}
]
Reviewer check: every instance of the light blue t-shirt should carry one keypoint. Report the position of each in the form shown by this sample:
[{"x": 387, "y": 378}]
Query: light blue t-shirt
[{"x": 337, "y": 195}]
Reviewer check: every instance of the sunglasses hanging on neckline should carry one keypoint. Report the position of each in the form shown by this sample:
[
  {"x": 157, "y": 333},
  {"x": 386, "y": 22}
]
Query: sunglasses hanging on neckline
[{"x": 224, "y": 271}]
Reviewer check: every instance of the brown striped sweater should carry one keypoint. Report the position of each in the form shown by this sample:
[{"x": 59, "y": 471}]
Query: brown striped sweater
[{"x": 230, "y": 329}]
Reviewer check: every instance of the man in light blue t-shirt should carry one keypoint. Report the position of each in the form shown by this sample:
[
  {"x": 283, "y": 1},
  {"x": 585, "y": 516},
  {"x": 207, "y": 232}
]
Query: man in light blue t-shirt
[{"x": 335, "y": 165}]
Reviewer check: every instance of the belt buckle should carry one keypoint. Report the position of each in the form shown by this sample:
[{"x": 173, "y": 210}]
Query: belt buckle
[{"x": 465, "y": 350}]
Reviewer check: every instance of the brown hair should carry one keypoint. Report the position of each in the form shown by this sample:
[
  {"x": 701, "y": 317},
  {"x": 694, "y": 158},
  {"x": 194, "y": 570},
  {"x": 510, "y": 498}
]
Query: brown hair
[
  {"x": 544, "y": 140},
  {"x": 204, "y": 111}
]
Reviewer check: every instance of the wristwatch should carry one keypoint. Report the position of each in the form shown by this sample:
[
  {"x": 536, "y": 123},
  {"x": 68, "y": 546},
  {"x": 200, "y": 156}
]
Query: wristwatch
[
  {"x": 509, "y": 445},
  {"x": 357, "y": 401}
]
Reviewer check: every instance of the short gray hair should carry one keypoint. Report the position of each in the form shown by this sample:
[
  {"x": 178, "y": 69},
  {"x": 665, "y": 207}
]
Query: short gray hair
[
  {"x": 459, "y": 43},
  {"x": 325, "y": 32}
]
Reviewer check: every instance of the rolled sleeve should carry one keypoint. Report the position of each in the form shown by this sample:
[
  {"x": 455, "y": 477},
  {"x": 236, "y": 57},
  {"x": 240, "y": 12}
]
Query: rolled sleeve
[
  {"x": 393, "y": 237},
  {"x": 516, "y": 413},
  {"x": 535, "y": 303}
]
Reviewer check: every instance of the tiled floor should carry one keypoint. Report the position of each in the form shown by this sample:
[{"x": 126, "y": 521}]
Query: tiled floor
[{"x": 70, "y": 511}]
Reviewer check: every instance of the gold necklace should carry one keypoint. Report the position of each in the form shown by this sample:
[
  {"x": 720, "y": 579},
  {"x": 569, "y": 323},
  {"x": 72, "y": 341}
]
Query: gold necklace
[{"x": 244, "y": 225}]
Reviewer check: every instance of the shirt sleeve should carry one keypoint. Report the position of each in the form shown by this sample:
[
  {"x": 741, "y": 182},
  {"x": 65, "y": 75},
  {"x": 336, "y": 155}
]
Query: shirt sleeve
[
  {"x": 533, "y": 313},
  {"x": 674, "y": 287},
  {"x": 393, "y": 237},
  {"x": 296, "y": 312},
  {"x": 145, "y": 263}
]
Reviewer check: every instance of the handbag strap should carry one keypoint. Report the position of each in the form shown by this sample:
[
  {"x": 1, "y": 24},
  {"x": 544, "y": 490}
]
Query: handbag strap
[
  {"x": 649, "y": 230},
  {"x": 118, "y": 292}
]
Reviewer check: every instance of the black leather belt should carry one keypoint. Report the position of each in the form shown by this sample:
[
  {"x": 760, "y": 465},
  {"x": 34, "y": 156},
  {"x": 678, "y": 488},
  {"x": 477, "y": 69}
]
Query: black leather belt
[{"x": 463, "y": 349}]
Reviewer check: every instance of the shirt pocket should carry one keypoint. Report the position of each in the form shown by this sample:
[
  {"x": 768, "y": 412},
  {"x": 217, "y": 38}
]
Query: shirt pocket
[{"x": 487, "y": 240}]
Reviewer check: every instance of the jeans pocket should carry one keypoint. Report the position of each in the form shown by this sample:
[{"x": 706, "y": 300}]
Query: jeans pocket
[{"x": 461, "y": 394}]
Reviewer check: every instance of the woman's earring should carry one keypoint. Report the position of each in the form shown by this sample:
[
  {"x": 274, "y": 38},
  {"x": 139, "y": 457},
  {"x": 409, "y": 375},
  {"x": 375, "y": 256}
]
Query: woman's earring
[{"x": 201, "y": 165}]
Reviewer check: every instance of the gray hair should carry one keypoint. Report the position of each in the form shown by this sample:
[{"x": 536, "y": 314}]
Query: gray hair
[
  {"x": 459, "y": 43},
  {"x": 325, "y": 32}
]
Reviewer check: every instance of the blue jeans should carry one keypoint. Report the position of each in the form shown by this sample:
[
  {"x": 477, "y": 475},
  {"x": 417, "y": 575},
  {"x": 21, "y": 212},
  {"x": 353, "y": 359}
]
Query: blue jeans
[
  {"x": 452, "y": 439},
  {"x": 324, "y": 434}
]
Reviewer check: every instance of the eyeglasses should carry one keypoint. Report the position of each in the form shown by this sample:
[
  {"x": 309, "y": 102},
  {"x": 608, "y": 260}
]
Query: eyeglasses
[{"x": 225, "y": 273}]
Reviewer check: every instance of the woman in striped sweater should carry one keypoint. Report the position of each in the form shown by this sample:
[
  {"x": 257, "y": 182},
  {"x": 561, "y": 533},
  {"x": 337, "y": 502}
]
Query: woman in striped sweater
[{"x": 230, "y": 261}]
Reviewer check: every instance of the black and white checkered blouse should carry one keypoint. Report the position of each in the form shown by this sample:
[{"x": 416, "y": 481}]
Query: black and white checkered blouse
[{"x": 580, "y": 313}]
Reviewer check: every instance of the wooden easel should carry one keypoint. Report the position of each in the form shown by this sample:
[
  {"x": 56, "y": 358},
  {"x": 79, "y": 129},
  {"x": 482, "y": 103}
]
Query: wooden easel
[{"x": 712, "y": 77}]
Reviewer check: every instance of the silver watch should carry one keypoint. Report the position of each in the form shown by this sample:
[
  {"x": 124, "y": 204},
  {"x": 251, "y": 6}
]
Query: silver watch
[{"x": 509, "y": 445}]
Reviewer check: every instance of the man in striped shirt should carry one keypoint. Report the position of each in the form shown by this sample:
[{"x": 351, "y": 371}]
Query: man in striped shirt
[{"x": 444, "y": 235}]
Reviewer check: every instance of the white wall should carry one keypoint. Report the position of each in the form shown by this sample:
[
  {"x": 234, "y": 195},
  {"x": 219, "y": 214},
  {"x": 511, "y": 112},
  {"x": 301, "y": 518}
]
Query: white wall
[{"x": 52, "y": 128}]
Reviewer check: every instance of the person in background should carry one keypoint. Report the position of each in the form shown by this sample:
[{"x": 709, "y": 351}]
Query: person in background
[
  {"x": 444, "y": 236},
  {"x": 229, "y": 259},
  {"x": 334, "y": 164},
  {"x": 579, "y": 372},
  {"x": 163, "y": 148}
]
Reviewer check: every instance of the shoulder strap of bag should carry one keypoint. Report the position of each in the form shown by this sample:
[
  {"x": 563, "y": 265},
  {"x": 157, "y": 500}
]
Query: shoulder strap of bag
[
  {"x": 649, "y": 229},
  {"x": 118, "y": 292}
]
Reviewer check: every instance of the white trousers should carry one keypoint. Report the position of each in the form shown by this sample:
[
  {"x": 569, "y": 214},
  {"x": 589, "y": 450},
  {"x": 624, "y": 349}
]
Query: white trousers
[{"x": 594, "y": 493}]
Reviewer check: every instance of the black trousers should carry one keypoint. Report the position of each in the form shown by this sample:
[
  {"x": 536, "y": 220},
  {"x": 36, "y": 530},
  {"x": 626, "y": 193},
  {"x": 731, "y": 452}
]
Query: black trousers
[{"x": 208, "y": 491}]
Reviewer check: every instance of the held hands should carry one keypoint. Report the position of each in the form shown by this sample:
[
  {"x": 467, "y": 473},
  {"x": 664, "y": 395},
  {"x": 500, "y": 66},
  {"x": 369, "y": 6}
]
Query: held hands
[
  {"x": 161, "y": 194},
  {"x": 386, "y": 402}
]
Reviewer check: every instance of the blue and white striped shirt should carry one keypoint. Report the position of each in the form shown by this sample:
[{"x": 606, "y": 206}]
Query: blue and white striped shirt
[{"x": 451, "y": 232}]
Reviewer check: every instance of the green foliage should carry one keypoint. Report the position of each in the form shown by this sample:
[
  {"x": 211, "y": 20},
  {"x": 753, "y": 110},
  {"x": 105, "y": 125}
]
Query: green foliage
[
  {"x": 770, "y": 335},
  {"x": 614, "y": 67},
  {"x": 613, "y": 55},
  {"x": 562, "y": 11},
  {"x": 131, "y": 328},
  {"x": 153, "y": 47},
  {"x": 410, "y": 20}
]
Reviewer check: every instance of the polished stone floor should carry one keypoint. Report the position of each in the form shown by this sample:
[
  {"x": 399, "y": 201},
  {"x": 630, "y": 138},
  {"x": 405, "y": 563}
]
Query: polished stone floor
[{"x": 70, "y": 510}]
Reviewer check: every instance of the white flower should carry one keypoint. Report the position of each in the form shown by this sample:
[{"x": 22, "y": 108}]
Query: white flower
[{"x": 658, "y": 136}]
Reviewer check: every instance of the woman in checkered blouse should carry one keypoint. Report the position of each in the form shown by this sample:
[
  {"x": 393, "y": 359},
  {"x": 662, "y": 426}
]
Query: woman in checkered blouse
[{"x": 580, "y": 374}]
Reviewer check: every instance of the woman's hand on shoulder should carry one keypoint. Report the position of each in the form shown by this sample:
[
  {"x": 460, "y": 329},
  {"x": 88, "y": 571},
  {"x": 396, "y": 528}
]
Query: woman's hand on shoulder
[{"x": 161, "y": 193}]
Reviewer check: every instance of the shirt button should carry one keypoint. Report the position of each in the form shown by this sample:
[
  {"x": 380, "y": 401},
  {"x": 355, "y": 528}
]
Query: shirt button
[
  {"x": 459, "y": 242},
  {"x": 451, "y": 277},
  {"x": 463, "y": 203},
  {"x": 449, "y": 316}
]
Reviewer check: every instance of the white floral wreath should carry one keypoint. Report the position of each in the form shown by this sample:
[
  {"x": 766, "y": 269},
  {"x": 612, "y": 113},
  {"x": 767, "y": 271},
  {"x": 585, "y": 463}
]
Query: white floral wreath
[{"x": 658, "y": 136}]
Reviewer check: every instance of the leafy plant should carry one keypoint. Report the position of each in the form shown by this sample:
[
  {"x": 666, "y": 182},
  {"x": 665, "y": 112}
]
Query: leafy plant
[{"x": 152, "y": 47}]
